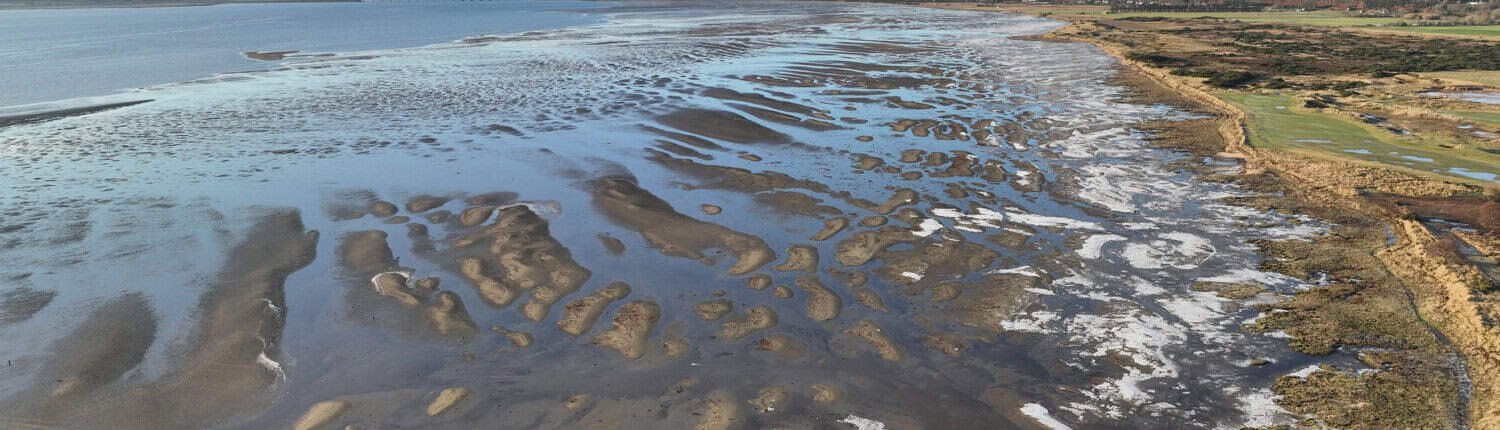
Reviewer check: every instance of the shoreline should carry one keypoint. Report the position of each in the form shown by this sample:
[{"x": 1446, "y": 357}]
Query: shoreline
[{"x": 1440, "y": 292}]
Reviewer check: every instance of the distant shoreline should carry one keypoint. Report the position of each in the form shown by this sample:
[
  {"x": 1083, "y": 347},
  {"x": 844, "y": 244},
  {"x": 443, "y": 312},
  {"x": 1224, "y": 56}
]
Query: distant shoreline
[{"x": 150, "y": 4}]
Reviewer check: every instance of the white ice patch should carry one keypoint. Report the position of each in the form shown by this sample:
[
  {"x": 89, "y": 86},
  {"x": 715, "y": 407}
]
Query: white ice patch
[
  {"x": 1037, "y": 323},
  {"x": 404, "y": 275},
  {"x": 1075, "y": 279},
  {"x": 1094, "y": 245},
  {"x": 1192, "y": 246},
  {"x": 1145, "y": 288},
  {"x": 1142, "y": 256},
  {"x": 1040, "y": 414},
  {"x": 981, "y": 219},
  {"x": 1243, "y": 275},
  {"x": 1199, "y": 311},
  {"x": 1051, "y": 221},
  {"x": 860, "y": 423},
  {"x": 927, "y": 227},
  {"x": 272, "y": 306},
  {"x": 544, "y": 210},
  {"x": 912, "y": 275},
  {"x": 991, "y": 140},
  {"x": 946, "y": 212},
  {"x": 1260, "y": 408},
  {"x": 961, "y": 227},
  {"x": 1023, "y": 270},
  {"x": 1103, "y": 188},
  {"x": 275, "y": 367},
  {"x": 1306, "y": 371},
  {"x": 1188, "y": 251},
  {"x": 1138, "y": 335}
]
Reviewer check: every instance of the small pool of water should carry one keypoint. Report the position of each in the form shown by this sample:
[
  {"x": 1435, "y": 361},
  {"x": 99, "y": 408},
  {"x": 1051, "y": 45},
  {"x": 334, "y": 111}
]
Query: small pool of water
[
  {"x": 1472, "y": 174},
  {"x": 1472, "y": 96}
]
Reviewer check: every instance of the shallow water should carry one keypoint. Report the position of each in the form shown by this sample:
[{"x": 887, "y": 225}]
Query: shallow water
[
  {"x": 1094, "y": 243},
  {"x": 56, "y": 54}
]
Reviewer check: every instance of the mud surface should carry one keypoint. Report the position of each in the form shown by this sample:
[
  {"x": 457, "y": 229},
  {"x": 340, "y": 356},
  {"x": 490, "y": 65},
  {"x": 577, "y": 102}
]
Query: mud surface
[{"x": 810, "y": 215}]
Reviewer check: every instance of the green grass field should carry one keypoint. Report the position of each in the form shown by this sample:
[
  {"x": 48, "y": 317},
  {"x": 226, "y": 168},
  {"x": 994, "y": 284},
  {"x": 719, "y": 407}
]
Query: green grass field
[
  {"x": 1458, "y": 30},
  {"x": 1477, "y": 116},
  {"x": 1278, "y": 122}
]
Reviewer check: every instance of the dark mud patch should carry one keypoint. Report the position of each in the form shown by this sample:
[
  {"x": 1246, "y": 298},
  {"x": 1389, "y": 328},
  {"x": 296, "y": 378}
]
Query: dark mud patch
[
  {"x": 227, "y": 368},
  {"x": 721, "y": 125},
  {"x": 268, "y": 55},
  {"x": 21, "y": 303},
  {"x": 734, "y": 178},
  {"x": 794, "y": 203},
  {"x": 671, "y": 232},
  {"x": 110, "y": 342},
  {"x": 782, "y": 105},
  {"x": 36, "y": 117}
]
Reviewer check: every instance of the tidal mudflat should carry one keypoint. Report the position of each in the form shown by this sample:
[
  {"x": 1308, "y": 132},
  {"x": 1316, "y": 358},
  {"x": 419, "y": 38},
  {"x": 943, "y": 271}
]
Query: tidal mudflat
[{"x": 749, "y": 216}]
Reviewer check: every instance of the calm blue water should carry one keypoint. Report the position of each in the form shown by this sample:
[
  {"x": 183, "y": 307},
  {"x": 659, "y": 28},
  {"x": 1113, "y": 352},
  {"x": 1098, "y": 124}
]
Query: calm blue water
[{"x": 65, "y": 53}]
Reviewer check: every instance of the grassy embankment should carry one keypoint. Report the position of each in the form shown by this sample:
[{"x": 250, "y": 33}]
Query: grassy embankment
[
  {"x": 1279, "y": 121},
  {"x": 1298, "y": 98},
  {"x": 1453, "y": 30},
  {"x": 1318, "y": 18}
]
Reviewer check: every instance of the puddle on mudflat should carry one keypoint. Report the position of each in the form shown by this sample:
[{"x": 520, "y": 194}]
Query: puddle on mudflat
[{"x": 790, "y": 214}]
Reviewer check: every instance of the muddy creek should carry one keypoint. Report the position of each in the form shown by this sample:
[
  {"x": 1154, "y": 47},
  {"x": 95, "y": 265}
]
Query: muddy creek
[{"x": 738, "y": 216}]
